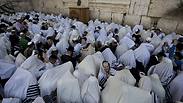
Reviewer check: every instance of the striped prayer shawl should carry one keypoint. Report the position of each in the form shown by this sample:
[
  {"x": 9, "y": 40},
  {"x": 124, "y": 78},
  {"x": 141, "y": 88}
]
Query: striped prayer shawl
[{"x": 32, "y": 92}]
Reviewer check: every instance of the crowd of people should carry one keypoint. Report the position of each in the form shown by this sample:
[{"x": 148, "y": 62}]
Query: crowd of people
[{"x": 46, "y": 58}]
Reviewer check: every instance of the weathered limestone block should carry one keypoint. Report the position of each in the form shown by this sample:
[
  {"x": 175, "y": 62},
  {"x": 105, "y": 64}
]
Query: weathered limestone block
[
  {"x": 117, "y": 18},
  {"x": 167, "y": 25},
  {"x": 180, "y": 27},
  {"x": 159, "y": 8},
  {"x": 132, "y": 19},
  {"x": 94, "y": 14},
  {"x": 139, "y": 7},
  {"x": 106, "y": 16},
  {"x": 146, "y": 21},
  {"x": 121, "y": 6}
]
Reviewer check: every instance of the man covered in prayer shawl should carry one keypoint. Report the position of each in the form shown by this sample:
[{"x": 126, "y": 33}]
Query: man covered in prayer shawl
[
  {"x": 164, "y": 70},
  {"x": 104, "y": 74},
  {"x": 22, "y": 85}
]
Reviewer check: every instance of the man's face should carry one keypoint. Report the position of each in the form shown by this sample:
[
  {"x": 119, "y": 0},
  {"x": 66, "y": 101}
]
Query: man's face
[{"x": 106, "y": 67}]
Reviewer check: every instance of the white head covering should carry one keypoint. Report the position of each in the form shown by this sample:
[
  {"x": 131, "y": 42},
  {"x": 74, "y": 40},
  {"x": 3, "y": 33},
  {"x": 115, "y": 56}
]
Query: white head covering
[
  {"x": 11, "y": 100},
  {"x": 34, "y": 65},
  {"x": 126, "y": 40},
  {"x": 68, "y": 90},
  {"x": 6, "y": 69},
  {"x": 142, "y": 54},
  {"x": 109, "y": 56},
  {"x": 128, "y": 59},
  {"x": 20, "y": 80},
  {"x": 164, "y": 70},
  {"x": 91, "y": 90},
  {"x": 125, "y": 76},
  {"x": 49, "y": 79},
  {"x": 38, "y": 100}
]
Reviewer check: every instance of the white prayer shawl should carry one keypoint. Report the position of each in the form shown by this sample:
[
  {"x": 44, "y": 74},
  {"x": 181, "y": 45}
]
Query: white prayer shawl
[
  {"x": 155, "y": 41},
  {"x": 128, "y": 28},
  {"x": 19, "y": 59},
  {"x": 87, "y": 51},
  {"x": 49, "y": 65},
  {"x": 36, "y": 29},
  {"x": 149, "y": 46},
  {"x": 88, "y": 66},
  {"x": 126, "y": 40},
  {"x": 142, "y": 54},
  {"x": 145, "y": 34},
  {"x": 117, "y": 91},
  {"x": 98, "y": 59},
  {"x": 6, "y": 69},
  {"x": 5, "y": 45},
  {"x": 34, "y": 65},
  {"x": 11, "y": 100},
  {"x": 103, "y": 36},
  {"x": 74, "y": 34},
  {"x": 90, "y": 37},
  {"x": 81, "y": 77},
  {"x": 77, "y": 48},
  {"x": 58, "y": 36},
  {"x": 18, "y": 84},
  {"x": 176, "y": 88},
  {"x": 109, "y": 56},
  {"x": 157, "y": 87},
  {"x": 126, "y": 77},
  {"x": 48, "y": 81},
  {"x": 50, "y": 32},
  {"x": 121, "y": 49},
  {"x": 128, "y": 59},
  {"x": 122, "y": 33},
  {"x": 9, "y": 58},
  {"x": 37, "y": 39},
  {"x": 164, "y": 70},
  {"x": 53, "y": 47},
  {"x": 68, "y": 90},
  {"x": 158, "y": 48},
  {"x": 91, "y": 90},
  {"x": 145, "y": 83},
  {"x": 62, "y": 46},
  {"x": 38, "y": 100}
]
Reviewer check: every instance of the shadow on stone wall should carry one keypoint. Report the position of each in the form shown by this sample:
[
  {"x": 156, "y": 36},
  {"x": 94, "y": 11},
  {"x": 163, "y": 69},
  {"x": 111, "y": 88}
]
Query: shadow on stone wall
[{"x": 176, "y": 13}]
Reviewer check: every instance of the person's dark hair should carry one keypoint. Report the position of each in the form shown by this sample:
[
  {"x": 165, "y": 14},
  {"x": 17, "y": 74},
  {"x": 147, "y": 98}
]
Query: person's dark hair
[
  {"x": 116, "y": 30},
  {"x": 179, "y": 46},
  {"x": 53, "y": 57},
  {"x": 161, "y": 54},
  {"x": 70, "y": 48},
  {"x": 105, "y": 62},
  {"x": 178, "y": 55},
  {"x": 49, "y": 37},
  {"x": 73, "y": 27},
  {"x": 27, "y": 17}
]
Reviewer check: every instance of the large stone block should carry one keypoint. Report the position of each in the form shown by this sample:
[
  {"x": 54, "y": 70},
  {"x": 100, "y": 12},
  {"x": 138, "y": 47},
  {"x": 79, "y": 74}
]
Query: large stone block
[
  {"x": 121, "y": 6},
  {"x": 94, "y": 14},
  {"x": 139, "y": 7},
  {"x": 106, "y": 16},
  {"x": 117, "y": 18},
  {"x": 180, "y": 27},
  {"x": 132, "y": 19},
  {"x": 167, "y": 25},
  {"x": 146, "y": 21},
  {"x": 160, "y": 8}
]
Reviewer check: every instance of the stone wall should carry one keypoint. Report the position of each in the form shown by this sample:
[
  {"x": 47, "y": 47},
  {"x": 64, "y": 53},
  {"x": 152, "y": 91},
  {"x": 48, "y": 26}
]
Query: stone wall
[{"x": 160, "y": 13}]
